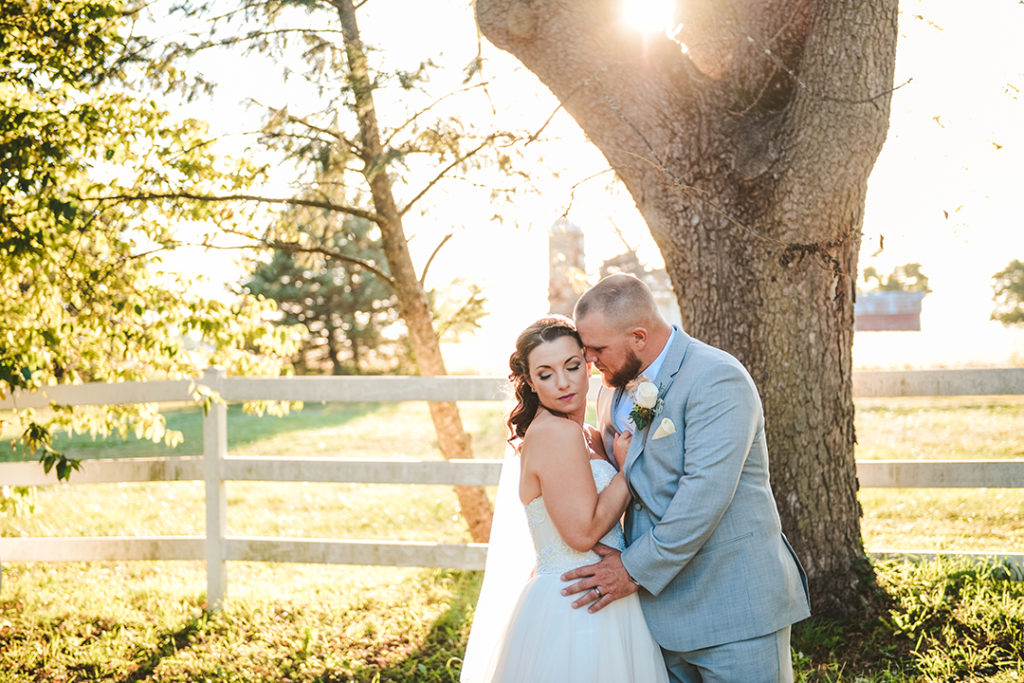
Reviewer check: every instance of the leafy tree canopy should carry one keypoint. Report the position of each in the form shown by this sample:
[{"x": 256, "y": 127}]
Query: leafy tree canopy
[
  {"x": 1009, "y": 294},
  {"x": 82, "y": 297},
  {"x": 905, "y": 278}
]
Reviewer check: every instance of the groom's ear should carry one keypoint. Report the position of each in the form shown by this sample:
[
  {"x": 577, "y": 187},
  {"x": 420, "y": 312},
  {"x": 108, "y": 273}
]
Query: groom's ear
[{"x": 637, "y": 338}]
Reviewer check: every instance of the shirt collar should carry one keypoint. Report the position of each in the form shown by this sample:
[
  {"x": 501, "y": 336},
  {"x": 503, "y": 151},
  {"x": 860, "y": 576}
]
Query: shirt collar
[{"x": 652, "y": 370}]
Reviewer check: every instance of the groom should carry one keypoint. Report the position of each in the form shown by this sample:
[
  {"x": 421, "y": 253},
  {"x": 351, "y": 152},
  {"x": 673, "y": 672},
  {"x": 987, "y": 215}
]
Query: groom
[{"x": 719, "y": 583}]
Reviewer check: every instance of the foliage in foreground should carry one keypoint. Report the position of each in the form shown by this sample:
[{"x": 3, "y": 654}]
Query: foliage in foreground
[
  {"x": 83, "y": 294},
  {"x": 941, "y": 621}
]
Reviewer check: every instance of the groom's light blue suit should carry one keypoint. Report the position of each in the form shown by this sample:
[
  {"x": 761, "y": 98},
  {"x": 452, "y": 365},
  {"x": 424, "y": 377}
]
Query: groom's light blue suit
[{"x": 705, "y": 543}]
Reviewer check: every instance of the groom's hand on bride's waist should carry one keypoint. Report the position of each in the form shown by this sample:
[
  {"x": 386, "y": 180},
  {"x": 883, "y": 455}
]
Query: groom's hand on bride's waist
[{"x": 599, "y": 584}]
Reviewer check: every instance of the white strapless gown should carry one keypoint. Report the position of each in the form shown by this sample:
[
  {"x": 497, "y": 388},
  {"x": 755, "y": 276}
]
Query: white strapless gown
[{"x": 548, "y": 641}]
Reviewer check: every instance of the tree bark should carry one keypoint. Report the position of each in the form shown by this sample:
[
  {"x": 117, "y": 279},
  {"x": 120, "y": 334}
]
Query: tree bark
[
  {"x": 413, "y": 304},
  {"x": 748, "y": 153},
  {"x": 337, "y": 367}
]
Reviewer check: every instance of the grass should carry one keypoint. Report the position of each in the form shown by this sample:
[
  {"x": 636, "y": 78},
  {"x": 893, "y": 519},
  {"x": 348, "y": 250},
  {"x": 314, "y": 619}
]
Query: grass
[
  {"x": 940, "y": 428},
  {"x": 283, "y": 623},
  {"x": 942, "y": 621},
  {"x": 947, "y": 428},
  {"x": 938, "y": 621},
  {"x": 946, "y": 620}
]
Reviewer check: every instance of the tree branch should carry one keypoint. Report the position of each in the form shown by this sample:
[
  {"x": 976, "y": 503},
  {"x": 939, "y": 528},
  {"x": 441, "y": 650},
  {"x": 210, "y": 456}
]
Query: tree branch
[
  {"x": 423, "y": 277},
  {"x": 252, "y": 35},
  {"x": 290, "y": 201},
  {"x": 551, "y": 116},
  {"x": 437, "y": 178},
  {"x": 356, "y": 149},
  {"x": 427, "y": 108},
  {"x": 296, "y": 248}
]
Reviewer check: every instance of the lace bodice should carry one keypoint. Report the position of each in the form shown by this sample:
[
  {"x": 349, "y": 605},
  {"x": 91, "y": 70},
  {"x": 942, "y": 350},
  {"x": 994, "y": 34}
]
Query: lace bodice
[{"x": 554, "y": 555}]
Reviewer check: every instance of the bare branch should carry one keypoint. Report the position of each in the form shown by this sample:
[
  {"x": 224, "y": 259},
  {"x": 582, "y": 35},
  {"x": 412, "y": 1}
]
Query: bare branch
[
  {"x": 337, "y": 135},
  {"x": 437, "y": 178},
  {"x": 561, "y": 105},
  {"x": 423, "y": 277},
  {"x": 296, "y": 248},
  {"x": 290, "y": 201},
  {"x": 427, "y": 108},
  {"x": 254, "y": 35},
  {"x": 572, "y": 190}
]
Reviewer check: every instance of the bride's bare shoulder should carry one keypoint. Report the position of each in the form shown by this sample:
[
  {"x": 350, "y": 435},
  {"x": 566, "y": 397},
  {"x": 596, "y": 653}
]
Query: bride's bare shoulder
[{"x": 549, "y": 431}]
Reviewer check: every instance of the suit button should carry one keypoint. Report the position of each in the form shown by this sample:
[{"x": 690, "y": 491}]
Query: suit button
[{"x": 638, "y": 506}]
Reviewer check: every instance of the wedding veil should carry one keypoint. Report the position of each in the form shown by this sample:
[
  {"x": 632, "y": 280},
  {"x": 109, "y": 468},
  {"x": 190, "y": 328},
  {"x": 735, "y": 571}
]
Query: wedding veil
[{"x": 510, "y": 562}]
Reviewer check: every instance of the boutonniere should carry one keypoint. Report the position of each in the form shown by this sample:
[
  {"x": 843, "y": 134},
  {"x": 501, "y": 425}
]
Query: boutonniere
[{"x": 647, "y": 404}]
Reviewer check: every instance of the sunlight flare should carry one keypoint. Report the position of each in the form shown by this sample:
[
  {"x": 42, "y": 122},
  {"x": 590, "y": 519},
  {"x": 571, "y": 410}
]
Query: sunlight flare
[{"x": 649, "y": 16}]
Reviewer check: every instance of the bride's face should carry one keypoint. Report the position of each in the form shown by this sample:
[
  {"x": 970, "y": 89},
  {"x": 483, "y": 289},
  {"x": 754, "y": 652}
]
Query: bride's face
[{"x": 560, "y": 375}]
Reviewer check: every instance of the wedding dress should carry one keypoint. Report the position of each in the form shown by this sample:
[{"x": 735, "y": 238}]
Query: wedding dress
[{"x": 545, "y": 639}]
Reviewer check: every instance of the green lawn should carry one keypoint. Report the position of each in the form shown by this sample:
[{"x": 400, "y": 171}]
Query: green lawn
[
  {"x": 146, "y": 620},
  {"x": 983, "y": 428}
]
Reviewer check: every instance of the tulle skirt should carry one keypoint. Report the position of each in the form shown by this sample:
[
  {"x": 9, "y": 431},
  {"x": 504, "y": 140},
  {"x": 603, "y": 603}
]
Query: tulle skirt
[{"x": 548, "y": 640}]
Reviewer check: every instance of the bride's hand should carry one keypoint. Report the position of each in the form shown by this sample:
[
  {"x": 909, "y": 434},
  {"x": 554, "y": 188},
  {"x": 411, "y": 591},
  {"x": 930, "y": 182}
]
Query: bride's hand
[{"x": 620, "y": 447}]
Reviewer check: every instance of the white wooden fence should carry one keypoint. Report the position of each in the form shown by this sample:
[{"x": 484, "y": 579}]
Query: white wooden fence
[{"x": 216, "y": 466}]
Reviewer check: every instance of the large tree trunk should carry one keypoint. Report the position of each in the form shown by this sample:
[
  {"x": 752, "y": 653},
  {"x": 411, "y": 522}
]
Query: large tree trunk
[
  {"x": 413, "y": 304},
  {"x": 748, "y": 154}
]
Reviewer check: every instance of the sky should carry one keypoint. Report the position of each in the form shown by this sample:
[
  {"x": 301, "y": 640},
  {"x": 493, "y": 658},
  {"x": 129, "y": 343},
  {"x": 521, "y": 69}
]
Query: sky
[{"x": 943, "y": 192}]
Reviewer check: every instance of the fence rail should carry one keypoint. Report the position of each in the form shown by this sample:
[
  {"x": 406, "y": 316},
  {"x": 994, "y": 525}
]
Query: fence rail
[{"x": 216, "y": 466}]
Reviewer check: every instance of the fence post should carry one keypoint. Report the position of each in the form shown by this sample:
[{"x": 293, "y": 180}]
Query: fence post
[{"x": 215, "y": 447}]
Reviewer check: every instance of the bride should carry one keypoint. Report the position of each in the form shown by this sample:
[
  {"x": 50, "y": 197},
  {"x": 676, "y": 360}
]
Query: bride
[{"x": 573, "y": 498}]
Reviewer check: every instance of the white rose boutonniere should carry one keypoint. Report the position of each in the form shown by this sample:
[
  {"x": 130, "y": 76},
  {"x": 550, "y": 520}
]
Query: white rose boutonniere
[{"x": 647, "y": 404}]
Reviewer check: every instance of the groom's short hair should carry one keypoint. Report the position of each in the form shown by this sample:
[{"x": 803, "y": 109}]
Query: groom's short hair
[{"x": 624, "y": 300}]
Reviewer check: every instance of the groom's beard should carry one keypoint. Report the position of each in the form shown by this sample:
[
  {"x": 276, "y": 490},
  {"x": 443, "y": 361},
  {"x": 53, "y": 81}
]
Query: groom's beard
[{"x": 629, "y": 370}]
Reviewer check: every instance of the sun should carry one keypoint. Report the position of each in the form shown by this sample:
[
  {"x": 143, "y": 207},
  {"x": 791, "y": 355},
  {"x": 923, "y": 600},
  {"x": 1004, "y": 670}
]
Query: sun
[{"x": 649, "y": 16}]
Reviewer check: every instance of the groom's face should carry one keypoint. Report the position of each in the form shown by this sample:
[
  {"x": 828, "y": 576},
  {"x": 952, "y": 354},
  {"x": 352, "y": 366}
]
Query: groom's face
[{"x": 609, "y": 350}]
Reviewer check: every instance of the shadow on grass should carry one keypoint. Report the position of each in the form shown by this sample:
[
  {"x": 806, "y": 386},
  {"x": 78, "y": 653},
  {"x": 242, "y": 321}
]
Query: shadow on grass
[
  {"x": 940, "y": 620},
  {"x": 170, "y": 643},
  {"x": 947, "y": 620},
  {"x": 439, "y": 658},
  {"x": 243, "y": 430}
]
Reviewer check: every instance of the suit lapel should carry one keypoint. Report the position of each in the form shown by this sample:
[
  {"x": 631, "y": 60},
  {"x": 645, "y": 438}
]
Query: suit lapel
[
  {"x": 674, "y": 360},
  {"x": 669, "y": 369}
]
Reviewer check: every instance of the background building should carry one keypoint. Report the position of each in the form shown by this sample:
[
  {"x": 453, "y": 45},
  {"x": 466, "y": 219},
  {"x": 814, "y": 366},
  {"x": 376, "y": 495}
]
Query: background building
[{"x": 887, "y": 311}]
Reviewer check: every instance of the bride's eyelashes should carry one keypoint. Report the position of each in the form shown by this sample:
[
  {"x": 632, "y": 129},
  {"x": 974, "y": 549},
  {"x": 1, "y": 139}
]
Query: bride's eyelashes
[{"x": 572, "y": 368}]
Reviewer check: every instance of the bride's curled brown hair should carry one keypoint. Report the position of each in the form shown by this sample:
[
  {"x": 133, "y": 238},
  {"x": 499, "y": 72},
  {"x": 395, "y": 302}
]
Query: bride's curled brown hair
[{"x": 547, "y": 329}]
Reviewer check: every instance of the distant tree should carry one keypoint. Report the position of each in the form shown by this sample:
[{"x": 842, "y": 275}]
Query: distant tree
[
  {"x": 81, "y": 295},
  {"x": 344, "y": 307},
  {"x": 1009, "y": 294},
  {"x": 905, "y": 278}
]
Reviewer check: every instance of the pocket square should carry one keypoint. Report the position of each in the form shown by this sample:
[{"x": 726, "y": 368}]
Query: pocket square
[{"x": 664, "y": 429}]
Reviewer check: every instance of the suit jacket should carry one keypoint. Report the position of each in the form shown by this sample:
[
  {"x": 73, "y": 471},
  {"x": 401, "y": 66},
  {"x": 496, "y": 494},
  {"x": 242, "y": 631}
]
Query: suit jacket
[{"x": 705, "y": 543}]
